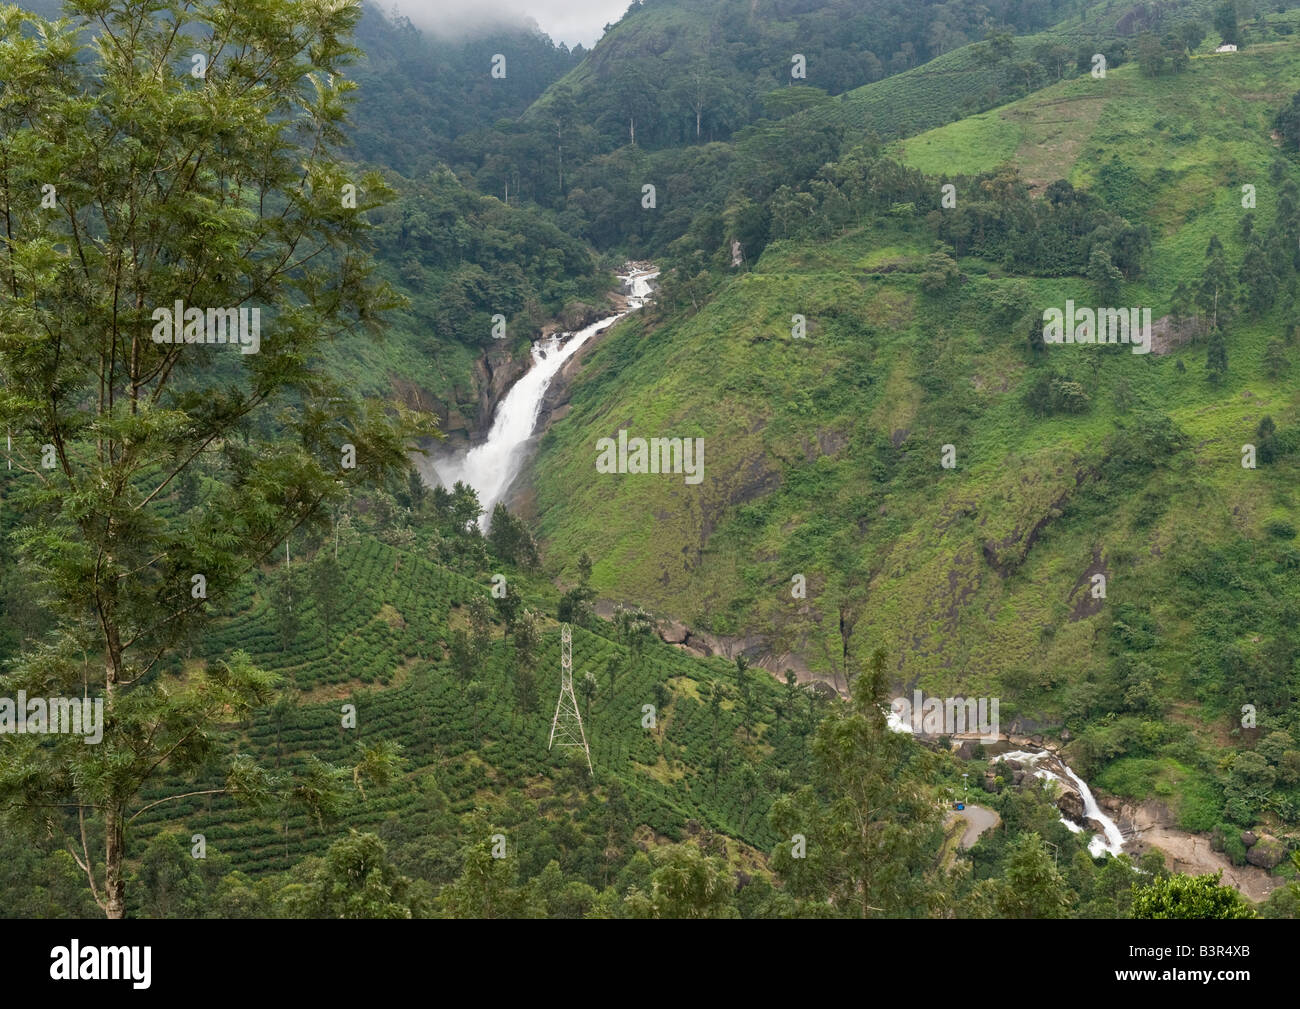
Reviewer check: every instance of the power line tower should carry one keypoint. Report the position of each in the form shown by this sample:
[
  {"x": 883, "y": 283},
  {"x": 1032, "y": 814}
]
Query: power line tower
[{"x": 567, "y": 723}]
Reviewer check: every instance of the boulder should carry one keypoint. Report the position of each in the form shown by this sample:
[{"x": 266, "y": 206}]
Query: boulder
[
  {"x": 1013, "y": 764},
  {"x": 1266, "y": 853},
  {"x": 1071, "y": 804},
  {"x": 673, "y": 631},
  {"x": 578, "y": 315},
  {"x": 1248, "y": 838}
]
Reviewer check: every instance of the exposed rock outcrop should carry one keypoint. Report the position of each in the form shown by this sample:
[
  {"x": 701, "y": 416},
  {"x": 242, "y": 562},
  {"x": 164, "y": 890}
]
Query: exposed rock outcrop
[{"x": 1267, "y": 852}]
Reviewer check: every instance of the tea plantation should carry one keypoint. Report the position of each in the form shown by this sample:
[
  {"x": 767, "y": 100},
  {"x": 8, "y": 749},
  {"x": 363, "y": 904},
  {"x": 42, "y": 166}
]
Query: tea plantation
[{"x": 387, "y": 653}]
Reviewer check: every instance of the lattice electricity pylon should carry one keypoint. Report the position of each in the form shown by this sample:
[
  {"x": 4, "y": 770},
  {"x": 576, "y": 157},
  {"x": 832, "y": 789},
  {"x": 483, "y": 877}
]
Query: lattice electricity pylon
[{"x": 567, "y": 723}]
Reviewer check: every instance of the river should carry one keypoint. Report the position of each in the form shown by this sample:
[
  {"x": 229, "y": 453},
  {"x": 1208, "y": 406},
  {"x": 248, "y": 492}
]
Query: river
[{"x": 1110, "y": 841}]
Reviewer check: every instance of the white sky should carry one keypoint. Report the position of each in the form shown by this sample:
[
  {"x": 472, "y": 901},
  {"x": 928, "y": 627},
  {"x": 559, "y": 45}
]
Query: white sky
[{"x": 570, "y": 21}]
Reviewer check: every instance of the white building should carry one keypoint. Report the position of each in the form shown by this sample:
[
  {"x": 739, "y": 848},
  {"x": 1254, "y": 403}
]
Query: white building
[{"x": 1226, "y": 49}]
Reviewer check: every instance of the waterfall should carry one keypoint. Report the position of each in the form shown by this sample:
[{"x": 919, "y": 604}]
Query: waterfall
[
  {"x": 490, "y": 468},
  {"x": 1111, "y": 840}
]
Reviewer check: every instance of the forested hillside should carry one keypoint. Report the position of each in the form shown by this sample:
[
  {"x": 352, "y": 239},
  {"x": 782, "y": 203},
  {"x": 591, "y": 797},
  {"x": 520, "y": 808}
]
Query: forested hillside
[
  {"x": 924, "y": 329},
  {"x": 419, "y": 94},
  {"x": 330, "y": 686}
]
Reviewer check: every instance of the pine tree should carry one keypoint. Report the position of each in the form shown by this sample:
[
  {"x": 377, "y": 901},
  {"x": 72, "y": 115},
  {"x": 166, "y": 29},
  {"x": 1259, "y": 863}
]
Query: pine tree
[
  {"x": 1258, "y": 284},
  {"x": 1215, "y": 291}
]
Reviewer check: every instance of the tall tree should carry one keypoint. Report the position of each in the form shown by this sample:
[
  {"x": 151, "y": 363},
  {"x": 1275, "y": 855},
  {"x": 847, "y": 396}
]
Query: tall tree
[
  {"x": 1104, "y": 274},
  {"x": 1259, "y": 284},
  {"x": 1216, "y": 357},
  {"x": 480, "y": 627},
  {"x": 528, "y": 638},
  {"x": 1225, "y": 22},
  {"x": 461, "y": 655},
  {"x": 871, "y": 827},
  {"x": 326, "y": 588},
  {"x": 132, "y": 181},
  {"x": 1216, "y": 289},
  {"x": 285, "y": 603},
  {"x": 1287, "y": 124},
  {"x": 587, "y": 688},
  {"x": 636, "y": 629},
  {"x": 508, "y": 607}
]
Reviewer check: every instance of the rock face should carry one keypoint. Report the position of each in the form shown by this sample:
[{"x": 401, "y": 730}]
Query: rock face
[
  {"x": 674, "y": 632},
  {"x": 495, "y": 372},
  {"x": 468, "y": 416},
  {"x": 1021, "y": 775},
  {"x": 1070, "y": 803},
  {"x": 1152, "y": 825},
  {"x": 1267, "y": 852}
]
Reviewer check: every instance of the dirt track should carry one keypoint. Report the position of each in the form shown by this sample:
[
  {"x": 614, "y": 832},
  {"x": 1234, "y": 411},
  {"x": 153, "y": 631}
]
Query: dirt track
[{"x": 1191, "y": 853}]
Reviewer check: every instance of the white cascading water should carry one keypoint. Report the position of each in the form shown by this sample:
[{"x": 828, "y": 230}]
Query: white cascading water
[
  {"x": 1113, "y": 840},
  {"x": 491, "y": 467}
]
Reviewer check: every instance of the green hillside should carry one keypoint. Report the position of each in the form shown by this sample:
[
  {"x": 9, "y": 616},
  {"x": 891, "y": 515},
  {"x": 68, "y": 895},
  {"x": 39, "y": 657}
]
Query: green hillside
[
  {"x": 327, "y": 686},
  {"x": 823, "y": 456},
  {"x": 386, "y": 652}
]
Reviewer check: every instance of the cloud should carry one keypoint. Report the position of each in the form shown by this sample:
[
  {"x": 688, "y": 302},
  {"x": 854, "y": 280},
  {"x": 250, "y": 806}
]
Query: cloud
[{"x": 570, "y": 21}]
